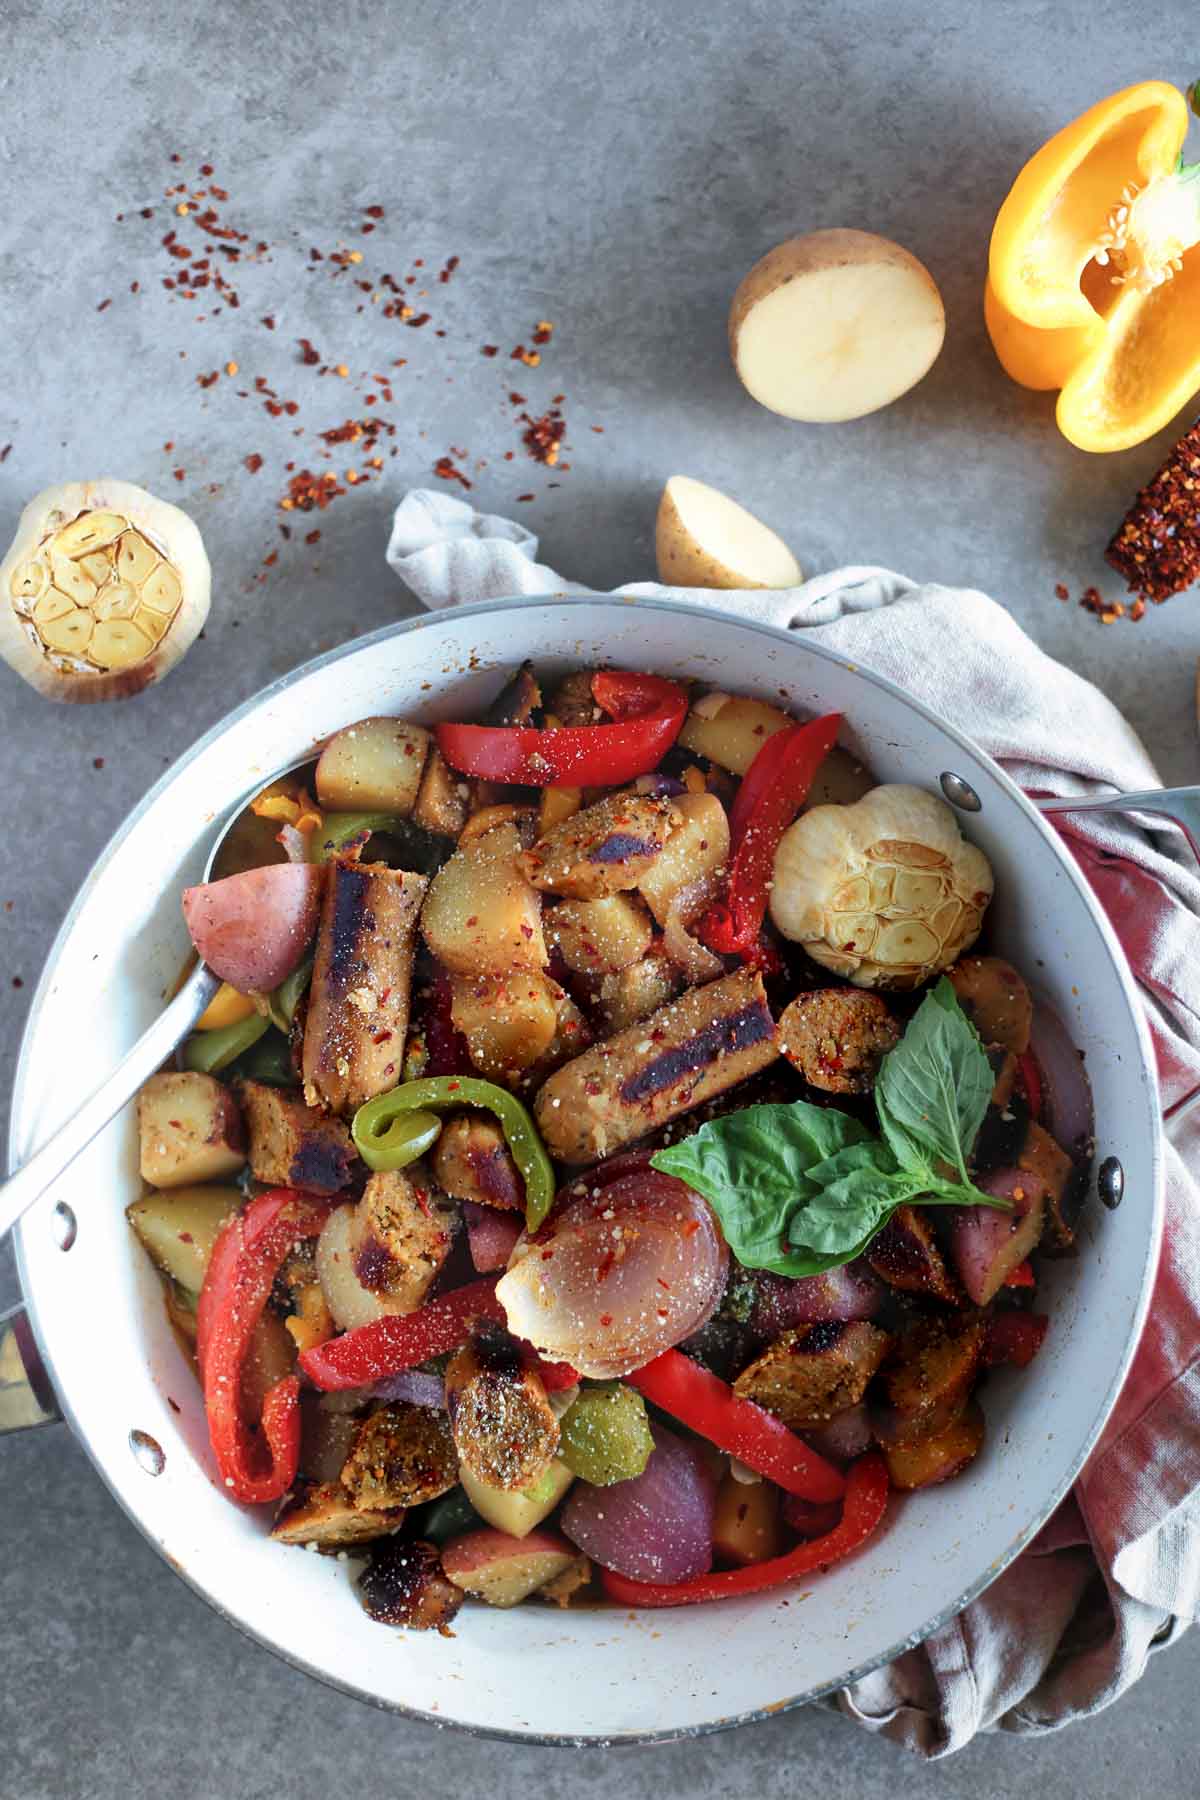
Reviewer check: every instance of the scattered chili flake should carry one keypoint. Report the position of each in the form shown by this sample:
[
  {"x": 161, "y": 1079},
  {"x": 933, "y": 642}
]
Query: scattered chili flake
[
  {"x": 309, "y": 354},
  {"x": 104, "y": 304},
  {"x": 543, "y": 331},
  {"x": 97, "y": 762},
  {"x": 489, "y": 350},
  {"x": 4, "y": 452},
  {"x": 17, "y": 982},
  {"x": 206, "y": 381},
  {"x": 254, "y": 462},
  {"x": 419, "y": 320},
  {"x": 179, "y": 474},
  {"x": 342, "y": 370},
  {"x": 445, "y": 470},
  {"x": 312, "y": 537},
  {"x": 531, "y": 358},
  {"x": 306, "y": 491},
  {"x": 268, "y": 320},
  {"x": 542, "y": 437},
  {"x": 135, "y": 287},
  {"x": 1060, "y": 587},
  {"x": 270, "y": 561},
  {"x": 231, "y": 368},
  {"x": 447, "y": 272},
  {"x": 1156, "y": 547},
  {"x": 374, "y": 212}
]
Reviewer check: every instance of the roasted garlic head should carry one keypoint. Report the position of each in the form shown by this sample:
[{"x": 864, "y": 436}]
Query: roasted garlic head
[
  {"x": 103, "y": 590},
  {"x": 886, "y": 892}
]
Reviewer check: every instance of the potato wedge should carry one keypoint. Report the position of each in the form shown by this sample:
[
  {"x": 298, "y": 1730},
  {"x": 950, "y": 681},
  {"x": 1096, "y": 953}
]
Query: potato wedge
[
  {"x": 704, "y": 539},
  {"x": 190, "y": 1130},
  {"x": 509, "y": 1021},
  {"x": 834, "y": 325},
  {"x": 253, "y": 929},
  {"x": 503, "y": 1570},
  {"x": 179, "y": 1228},
  {"x": 937, "y": 1458},
  {"x": 598, "y": 936},
  {"x": 731, "y": 729},
  {"x": 695, "y": 850},
  {"x": 373, "y": 766},
  {"x": 441, "y": 803}
]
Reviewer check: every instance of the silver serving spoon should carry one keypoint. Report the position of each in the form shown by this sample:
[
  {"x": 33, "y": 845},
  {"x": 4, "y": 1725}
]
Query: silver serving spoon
[
  {"x": 151, "y": 1050},
  {"x": 1181, "y": 805}
]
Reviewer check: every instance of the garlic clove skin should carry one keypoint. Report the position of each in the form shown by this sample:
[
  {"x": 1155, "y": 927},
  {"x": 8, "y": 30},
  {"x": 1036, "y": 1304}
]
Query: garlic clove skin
[
  {"x": 104, "y": 588},
  {"x": 886, "y": 892}
]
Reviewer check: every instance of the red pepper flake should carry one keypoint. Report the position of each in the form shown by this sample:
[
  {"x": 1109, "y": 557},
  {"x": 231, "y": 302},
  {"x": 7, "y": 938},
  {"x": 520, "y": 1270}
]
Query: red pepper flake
[
  {"x": 543, "y": 436},
  {"x": 543, "y": 331},
  {"x": 314, "y": 537},
  {"x": 419, "y": 320},
  {"x": 206, "y": 381},
  {"x": 270, "y": 561},
  {"x": 308, "y": 353},
  {"x": 104, "y": 304},
  {"x": 179, "y": 474},
  {"x": 1061, "y": 589},
  {"x": 531, "y": 358},
  {"x": 17, "y": 982},
  {"x": 268, "y": 319},
  {"x": 4, "y": 453},
  {"x": 135, "y": 287},
  {"x": 1156, "y": 548},
  {"x": 521, "y": 497},
  {"x": 254, "y": 462},
  {"x": 489, "y": 350},
  {"x": 451, "y": 264},
  {"x": 445, "y": 470},
  {"x": 306, "y": 491},
  {"x": 97, "y": 762},
  {"x": 374, "y": 212}
]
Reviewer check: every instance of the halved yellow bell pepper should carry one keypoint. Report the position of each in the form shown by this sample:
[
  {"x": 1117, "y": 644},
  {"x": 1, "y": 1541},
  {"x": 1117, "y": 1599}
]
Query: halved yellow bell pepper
[
  {"x": 1094, "y": 272},
  {"x": 227, "y": 1007}
]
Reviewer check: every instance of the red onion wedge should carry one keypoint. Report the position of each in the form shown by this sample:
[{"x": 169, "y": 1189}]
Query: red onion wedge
[
  {"x": 614, "y": 1278},
  {"x": 851, "y": 1292},
  {"x": 490, "y": 1235},
  {"x": 1070, "y": 1116},
  {"x": 657, "y": 1527},
  {"x": 414, "y": 1385}
]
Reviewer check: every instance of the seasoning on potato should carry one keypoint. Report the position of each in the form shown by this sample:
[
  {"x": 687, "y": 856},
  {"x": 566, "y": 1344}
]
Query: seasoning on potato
[
  {"x": 834, "y": 325},
  {"x": 103, "y": 590}
]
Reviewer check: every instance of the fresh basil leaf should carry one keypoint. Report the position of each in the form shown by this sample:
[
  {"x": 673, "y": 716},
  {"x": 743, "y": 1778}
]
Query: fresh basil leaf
[
  {"x": 934, "y": 1087},
  {"x": 750, "y": 1166}
]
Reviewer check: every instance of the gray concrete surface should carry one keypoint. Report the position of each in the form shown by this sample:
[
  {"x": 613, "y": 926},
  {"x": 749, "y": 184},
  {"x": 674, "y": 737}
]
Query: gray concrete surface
[{"x": 613, "y": 168}]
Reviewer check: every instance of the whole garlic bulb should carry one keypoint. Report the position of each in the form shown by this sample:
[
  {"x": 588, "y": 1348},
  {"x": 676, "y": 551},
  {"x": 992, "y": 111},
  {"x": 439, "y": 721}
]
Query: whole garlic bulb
[
  {"x": 886, "y": 892},
  {"x": 103, "y": 590}
]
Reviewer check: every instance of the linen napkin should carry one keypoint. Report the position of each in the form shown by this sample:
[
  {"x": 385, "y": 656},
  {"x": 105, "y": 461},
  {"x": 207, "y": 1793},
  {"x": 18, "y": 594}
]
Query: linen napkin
[{"x": 1115, "y": 1574}]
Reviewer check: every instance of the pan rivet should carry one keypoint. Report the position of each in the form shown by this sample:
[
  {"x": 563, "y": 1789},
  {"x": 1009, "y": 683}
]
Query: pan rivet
[
  {"x": 148, "y": 1452},
  {"x": 1110, "y": 1182},
  {"x": 960, "y": 793},
  {"x": 63, "y": 1225}
]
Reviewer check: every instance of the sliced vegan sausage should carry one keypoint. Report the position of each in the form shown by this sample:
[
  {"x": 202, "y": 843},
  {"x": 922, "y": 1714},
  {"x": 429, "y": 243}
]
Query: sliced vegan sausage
[
  {"x": 605, "y": 849},
  {"x": 837, "y": 1038},
  {"x": 926, "y": 1387},
  {"x": 806, "y": 1377}
]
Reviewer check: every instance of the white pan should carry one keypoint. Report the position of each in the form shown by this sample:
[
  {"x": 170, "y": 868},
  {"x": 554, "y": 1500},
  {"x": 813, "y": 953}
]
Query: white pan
[{"x": 604, "y": 1675}]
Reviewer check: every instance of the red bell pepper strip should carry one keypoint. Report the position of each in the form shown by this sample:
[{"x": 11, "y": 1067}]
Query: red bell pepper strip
[
  {"x": 1030, "y": 1079},
  {"x": 866, "y": 1500},
  {"x": 248, "y": 1254},
  {"x": 1013, "y": 1337},
  {"x": 1022, "y": 1276},
  {"x": 402, "y": 1340},
  {"x": 648, "y": 714},
  {"x": 709, "y": 1406},
  {"x": 773, "y": 790}
]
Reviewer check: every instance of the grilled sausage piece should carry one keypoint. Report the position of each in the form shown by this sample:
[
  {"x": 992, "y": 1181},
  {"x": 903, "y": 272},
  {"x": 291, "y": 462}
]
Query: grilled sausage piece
[
  {"x": 294, "y": 1145},
  {"x": 604, "y": 849},
  {"x": 995, "y": 999},
  {"x": 805, "y": 1377},
  {"x": 837, "y": 1038},
  {"x": 362, "y": 978},
  {"x": 926, "y": 1387},
  {"x": 403, "y": 1455},
  {"x": 905, "y": 1254},
  {"x": 699, "y": 1045},
  {"x": 1043, "y": 1157},
  {"x": 504, "y": 1427},
  {"x": 404, "y": 1584},
  {"x": 326, "y": 1514},
  {"x": 472, "y": 1161}
]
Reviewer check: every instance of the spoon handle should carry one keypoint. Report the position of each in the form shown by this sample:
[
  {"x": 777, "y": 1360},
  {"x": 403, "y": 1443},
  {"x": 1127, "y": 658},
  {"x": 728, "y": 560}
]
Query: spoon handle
[
  {"x": 1181, "y": 804},
  {"x": 168, "y": 1030}
]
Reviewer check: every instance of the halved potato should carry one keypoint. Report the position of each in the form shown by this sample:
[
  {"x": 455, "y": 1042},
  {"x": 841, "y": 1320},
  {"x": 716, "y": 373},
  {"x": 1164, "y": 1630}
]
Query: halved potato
[
  {"x": 505, "y": 1570},
  {"x": 190, "y": 1130},
  {"x": 704, "y": 539},
  {"x": 834, "y": 325},
  {"x": 252, "y": 929},
  {"x": 179, "y": 1228},
  {"x": 481, "y": 916}
]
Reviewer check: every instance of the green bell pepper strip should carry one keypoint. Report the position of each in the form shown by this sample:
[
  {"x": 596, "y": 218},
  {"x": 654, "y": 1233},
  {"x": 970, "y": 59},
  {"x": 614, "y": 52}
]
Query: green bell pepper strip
[
  {"x": 208, "y": 1051},
  {"x": 391, "y": 1139},
  {"x": 375, "y": 1123},
  {"x": 341, "y": 829},
  {"x": 283, "y": 1000}
]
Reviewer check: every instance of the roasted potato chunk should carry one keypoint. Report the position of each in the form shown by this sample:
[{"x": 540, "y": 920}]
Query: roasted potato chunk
[
  {"x": 508, "y": 1020},
  {"x": 441, "y": 803},
  {"x": 373, "y": 766},
  {"x": 504, "y": 1426},
  {"x": 905, "y": 1254},
  {"x": 403, "y": 1455},
  {"x": 294, "y": 1145},
  {"x": 358, "y": 1003},
  {"x": 604, "y": 849},
  {"x": 730, "y": 729},
  {"x": 326, "y": 1514},
  {"x": 675, "y": 1060},
  {"x": 805, "y": 1377},
  {"x": 179, "y": 1229},
  {"x": 691, "y": 857},
  {"x": 939, "y": 1457},
  {"x": 189, "y": 1129},
  {"x": 481, "y": 916},
  {"x": 995, "y": 999},
  {"x": 837, "y": 1038},
  {"x": 596, "y": 937}
]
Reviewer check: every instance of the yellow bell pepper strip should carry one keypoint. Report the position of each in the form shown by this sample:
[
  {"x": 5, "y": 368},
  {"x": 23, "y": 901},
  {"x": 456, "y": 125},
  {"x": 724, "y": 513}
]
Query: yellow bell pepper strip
[
  {"x": 1094, "y": 271},
  {"x": 226, "y": 1007}
]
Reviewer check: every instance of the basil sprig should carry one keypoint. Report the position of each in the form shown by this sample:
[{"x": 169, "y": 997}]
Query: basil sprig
[{"x": 800, "y": 1189}]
